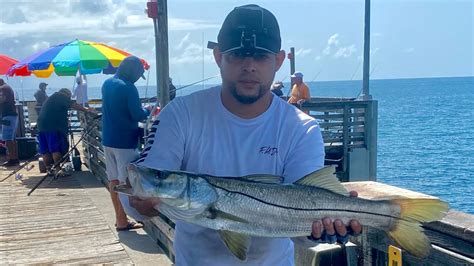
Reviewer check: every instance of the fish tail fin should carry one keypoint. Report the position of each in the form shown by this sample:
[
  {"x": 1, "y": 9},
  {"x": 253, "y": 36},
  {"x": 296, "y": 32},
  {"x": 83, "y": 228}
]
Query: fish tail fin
[{"x": 408, "y": 232}]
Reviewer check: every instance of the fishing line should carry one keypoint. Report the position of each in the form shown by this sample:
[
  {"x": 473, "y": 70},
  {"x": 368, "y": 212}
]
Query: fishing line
[{"x": 146, "y": 88}]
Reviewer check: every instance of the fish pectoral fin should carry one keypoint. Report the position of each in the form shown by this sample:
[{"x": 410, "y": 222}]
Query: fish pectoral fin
[
  {"x": 213, "y": 214},
  {"x": 324, "y": 178},
  {"x": 237, "y": 243},
  {"x": 269, "y": 179},
  {"x": 180, "y": 214}
]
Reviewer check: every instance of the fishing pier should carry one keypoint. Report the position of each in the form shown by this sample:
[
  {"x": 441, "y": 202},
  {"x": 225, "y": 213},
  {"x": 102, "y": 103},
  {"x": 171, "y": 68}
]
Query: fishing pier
[
  {"x": 66, "y": 221},
  {"x": 70, "y": 219}
]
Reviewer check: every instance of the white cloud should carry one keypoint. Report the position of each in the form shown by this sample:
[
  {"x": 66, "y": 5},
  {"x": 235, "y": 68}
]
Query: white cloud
[
  {"x": 118, "y": 23},
  {"x": 409, "y": 50},
  {"x": 302, "y": 52},
  {"x": 333, "y": 40},
  {"x": 12, "y": 16},
  {"x": 193, "y": 53},
  {"x": 317, "y": 58},
  {"x": 333, "y": 48},
  {"x": 190, "y": 24},
  {"x": 40, "y": 46},
  {"x": 332, "y": 44},
  {"x": 345, "y": 51}
]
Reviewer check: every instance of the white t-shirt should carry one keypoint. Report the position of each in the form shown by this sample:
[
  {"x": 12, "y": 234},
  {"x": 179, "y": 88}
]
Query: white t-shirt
[
  {"x": 196, "y": 133},
  {"x": 81, "y": 94}
]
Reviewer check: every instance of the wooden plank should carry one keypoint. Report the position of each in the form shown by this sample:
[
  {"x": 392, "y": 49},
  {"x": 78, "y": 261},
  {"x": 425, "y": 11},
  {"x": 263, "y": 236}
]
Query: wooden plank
[{"x": 56, "y": 224}]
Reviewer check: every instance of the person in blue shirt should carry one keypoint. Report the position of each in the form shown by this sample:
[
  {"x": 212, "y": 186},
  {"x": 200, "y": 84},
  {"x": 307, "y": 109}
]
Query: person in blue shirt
[{"x": 121, "y": 112}]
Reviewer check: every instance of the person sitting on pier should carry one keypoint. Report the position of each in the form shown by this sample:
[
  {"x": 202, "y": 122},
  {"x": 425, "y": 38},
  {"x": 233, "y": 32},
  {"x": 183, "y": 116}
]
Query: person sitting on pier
[
  {"x": 53, "y": 127},
  {"x": 276, "y": 88},
  {"x": 9, "y": 120},
  {"x": 223, "y": 137},
  {"x": 121, "y": 112},
  {"x": 41, "y": 97},
  {"x": 299, "y": 91}
]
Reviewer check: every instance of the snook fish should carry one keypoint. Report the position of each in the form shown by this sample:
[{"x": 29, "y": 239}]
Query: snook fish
[{"x": 260, "y": 205}]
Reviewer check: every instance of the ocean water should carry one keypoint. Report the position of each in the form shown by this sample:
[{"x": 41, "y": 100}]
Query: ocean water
[{"x": 425, "y": 132}]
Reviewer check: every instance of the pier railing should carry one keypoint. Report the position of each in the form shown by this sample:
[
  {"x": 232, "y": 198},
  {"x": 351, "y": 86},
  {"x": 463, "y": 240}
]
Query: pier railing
[{"x": 349, "y": 130}]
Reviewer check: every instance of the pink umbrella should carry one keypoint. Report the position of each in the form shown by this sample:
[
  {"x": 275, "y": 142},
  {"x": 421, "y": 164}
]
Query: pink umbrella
[{"x": 5, "y": 63}]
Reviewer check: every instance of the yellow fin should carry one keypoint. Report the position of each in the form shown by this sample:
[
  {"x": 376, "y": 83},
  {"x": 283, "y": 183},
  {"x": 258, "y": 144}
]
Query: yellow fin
[
  {"x": 408, "y": 232},
  {"x": 237, "y": 243},
  {"x": 324, "y": 178},
  {"x": 410, "y": 236},
  {"x": 422, "y": 210}
]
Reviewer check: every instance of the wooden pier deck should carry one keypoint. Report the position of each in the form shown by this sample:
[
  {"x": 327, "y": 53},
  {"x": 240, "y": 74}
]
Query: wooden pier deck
[{"x": 67, "y": 221}]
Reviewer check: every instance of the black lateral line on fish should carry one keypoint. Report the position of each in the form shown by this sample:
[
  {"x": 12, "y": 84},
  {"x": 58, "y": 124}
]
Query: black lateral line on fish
[{"x": 302, "y": 209}]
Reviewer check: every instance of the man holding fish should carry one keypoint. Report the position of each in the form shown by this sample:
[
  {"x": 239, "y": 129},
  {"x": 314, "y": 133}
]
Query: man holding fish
[{"x": 239, "y": 128}]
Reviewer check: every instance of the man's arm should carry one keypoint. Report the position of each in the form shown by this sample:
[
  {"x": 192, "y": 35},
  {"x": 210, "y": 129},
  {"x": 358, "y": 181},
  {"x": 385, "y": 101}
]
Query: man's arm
[
  {"x": 81, "y": 108},
  {"x": 306, "y": 93},
  {"x": 135, "y": 107},
  {"x": 166, "y": 149}
]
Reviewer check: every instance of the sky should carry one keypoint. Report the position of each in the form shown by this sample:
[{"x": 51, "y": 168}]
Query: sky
[{"x": 409, "y": 39}]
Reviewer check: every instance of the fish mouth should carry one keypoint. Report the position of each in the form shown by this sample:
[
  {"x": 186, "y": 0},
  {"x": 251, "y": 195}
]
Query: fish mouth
[{"x": 123, "y": 189}]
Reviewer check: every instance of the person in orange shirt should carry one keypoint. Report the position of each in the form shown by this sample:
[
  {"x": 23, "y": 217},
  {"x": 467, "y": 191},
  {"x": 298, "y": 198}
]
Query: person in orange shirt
[{"x": 299, "y": 91}]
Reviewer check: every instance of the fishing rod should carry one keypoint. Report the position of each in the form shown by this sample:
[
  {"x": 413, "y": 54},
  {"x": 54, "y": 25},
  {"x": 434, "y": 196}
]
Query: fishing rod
[
  {"x": 189, "y": 85},
  {"x": 370, "y": 74},
  {"x": 61, "y": 162},
  {"x": 146, "y": 88},
  {"x": 355, "y": 72},
  {"x": 155, "y": 98},
  {"x": 316, "y": 75},
  {"x": 157, "y": 104},
  {"x": 22, "y": 166},
  {"x": 373, "y": 69}
]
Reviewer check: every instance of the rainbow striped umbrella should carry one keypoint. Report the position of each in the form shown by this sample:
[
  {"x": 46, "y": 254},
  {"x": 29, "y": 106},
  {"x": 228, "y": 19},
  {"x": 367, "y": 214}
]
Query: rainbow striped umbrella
[
  {"x": 5, "y": 63},
  {"x": 68, "y": 58}
]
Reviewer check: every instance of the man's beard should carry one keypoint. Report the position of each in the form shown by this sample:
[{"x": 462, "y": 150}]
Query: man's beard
[{"x": 246, "y": 99}]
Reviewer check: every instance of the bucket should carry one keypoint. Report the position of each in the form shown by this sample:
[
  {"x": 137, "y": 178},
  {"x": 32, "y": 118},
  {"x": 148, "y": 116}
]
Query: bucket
[{"x": 26, "y": 147}]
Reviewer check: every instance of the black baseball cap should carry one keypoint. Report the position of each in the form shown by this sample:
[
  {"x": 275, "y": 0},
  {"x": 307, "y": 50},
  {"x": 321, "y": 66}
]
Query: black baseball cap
[{"x": 249, "y": 28}]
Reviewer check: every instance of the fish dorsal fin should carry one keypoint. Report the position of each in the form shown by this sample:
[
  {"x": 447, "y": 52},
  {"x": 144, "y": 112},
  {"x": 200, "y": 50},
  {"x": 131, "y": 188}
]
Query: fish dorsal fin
[
  {"x": 324, "y": 178},
  {"x": 237, "y": 243},
  {"x": 270, "y": 179}
]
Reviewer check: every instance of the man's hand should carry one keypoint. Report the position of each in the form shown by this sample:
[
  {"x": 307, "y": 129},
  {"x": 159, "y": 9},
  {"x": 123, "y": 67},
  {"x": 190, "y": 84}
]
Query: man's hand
[
  {"x": 149, "y": 107},
  {"x": 144, "y": 206},
  {"x": 328, "y": 231}
]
